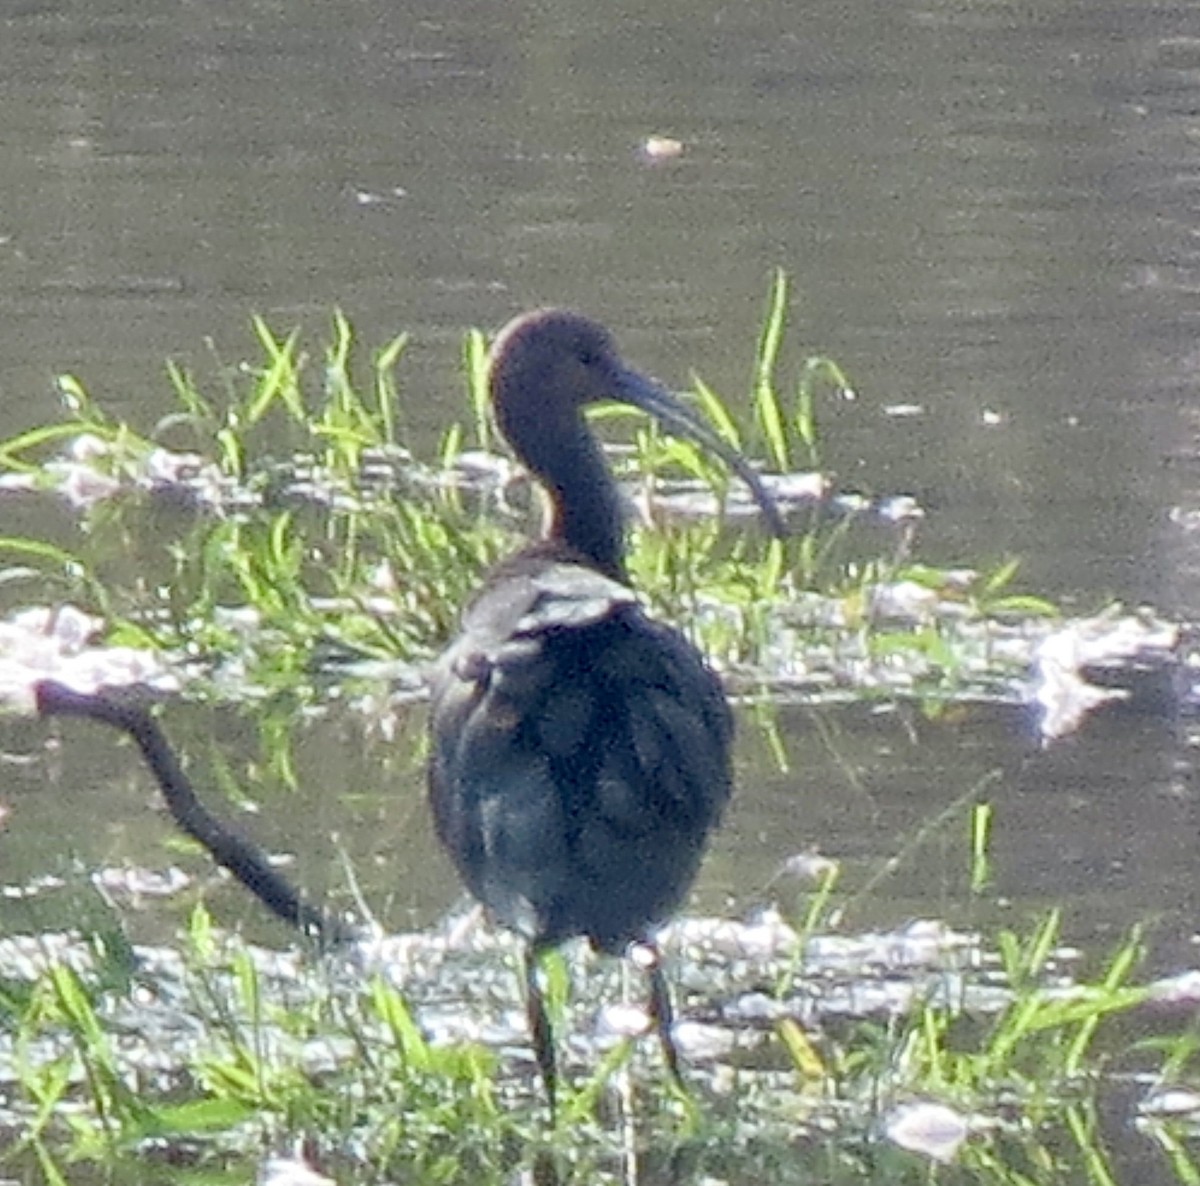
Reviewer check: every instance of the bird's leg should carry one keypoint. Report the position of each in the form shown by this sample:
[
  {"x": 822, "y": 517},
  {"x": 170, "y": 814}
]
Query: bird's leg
[
  {"x": 539, "y": 1028},
  {"x": 662, "y": 1013}
]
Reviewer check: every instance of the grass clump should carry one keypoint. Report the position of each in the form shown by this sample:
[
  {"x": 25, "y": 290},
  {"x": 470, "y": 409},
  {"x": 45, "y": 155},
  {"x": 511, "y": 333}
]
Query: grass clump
[
  {"x": 284, "y": 528},
  {"x": 218, "y": 1051}
]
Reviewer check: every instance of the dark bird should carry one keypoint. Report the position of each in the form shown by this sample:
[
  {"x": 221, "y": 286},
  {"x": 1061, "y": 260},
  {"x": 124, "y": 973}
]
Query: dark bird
[{"x": 580, "y": 749}]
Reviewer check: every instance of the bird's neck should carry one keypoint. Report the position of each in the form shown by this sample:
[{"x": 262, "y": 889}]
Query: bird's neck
[{"x": 585, "y": 507}]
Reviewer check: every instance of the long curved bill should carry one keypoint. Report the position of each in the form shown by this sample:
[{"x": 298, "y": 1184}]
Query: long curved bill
[{"x": 632, "y": 387}]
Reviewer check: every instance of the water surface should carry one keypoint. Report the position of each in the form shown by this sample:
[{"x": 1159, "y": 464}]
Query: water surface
[{"x": 988, "y": 213}]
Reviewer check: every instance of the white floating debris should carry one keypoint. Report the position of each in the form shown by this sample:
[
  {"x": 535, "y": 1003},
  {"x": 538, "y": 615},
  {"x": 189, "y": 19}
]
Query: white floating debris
[
  {"x": 797, "y": 487},
  {"x": 68, "y": 626},
  {"x": 757, "y": 1006},
  {"x": 904, "y": 601},
  {"x": 59, "y": 644},
  {"x": 770, "y": 937},
  {"x": 82, "y": 486},
  {"x": 87, "y": 446},
  {"x": 622, "y": 1021},
  {"x": 1064, "y": 696},
  {"x": 91, "y": 470},
  {"x": 926, "y": 941},
  {"x": 901, "y": 410},
  {"x": 291, "y": 1171},
  {"x": 850, "y": 503},
  {"x": 141, "y": 883},
  {"x": 367, "y": 197},
  {"x": 1172, "y": 1101},
  {"x": 810, "y": 866},
  {"x": 1181, "y": 989},
  {"x": 698, "y": 1042},
  {"x": 32, "y": 888},
  {"x": 899, "y": 508},
  {"x": 932, "y": 1129},
  {"x": 198, "y": 479},
  {"x": 18, "y": 483},
  {"x": 656, "y": 150},
  {"x": 477, "y": 463},
  {"x": 1061, "y": 687},
  {"x": 923, "y": 943}
]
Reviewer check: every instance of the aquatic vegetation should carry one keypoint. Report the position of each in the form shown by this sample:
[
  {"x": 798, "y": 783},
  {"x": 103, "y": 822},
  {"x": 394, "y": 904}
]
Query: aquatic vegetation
[
  {"x": 280, "y": 536},
  {"x": 286, "y": 532},
  {"x": 907, "y": 1047}
]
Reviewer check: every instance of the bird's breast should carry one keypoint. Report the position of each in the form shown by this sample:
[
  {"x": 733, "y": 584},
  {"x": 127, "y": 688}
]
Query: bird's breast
[{"x": 581, "y": 756}]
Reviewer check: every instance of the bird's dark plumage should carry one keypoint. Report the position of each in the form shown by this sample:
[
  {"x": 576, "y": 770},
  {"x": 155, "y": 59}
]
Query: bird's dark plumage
[
  {"x": 581, "y": 755},
  {"x": 581, "y": 750}
]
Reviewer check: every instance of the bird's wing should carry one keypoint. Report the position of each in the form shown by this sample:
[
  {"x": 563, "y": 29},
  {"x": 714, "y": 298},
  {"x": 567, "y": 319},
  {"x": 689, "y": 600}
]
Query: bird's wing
[{"x": 580, "y": 755}]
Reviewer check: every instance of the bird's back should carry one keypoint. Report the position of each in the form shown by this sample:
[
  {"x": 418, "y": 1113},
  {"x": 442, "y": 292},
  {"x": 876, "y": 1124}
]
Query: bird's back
[{"x": 581, "y": 754}]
